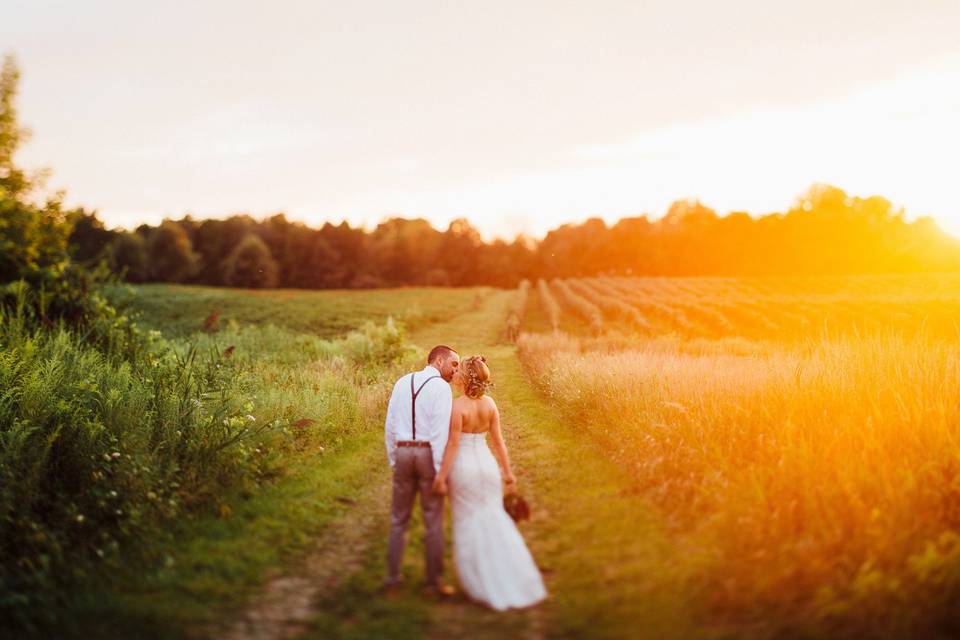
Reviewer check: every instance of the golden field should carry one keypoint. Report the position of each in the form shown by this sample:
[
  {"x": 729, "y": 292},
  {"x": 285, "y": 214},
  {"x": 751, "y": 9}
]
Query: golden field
[{"x": 798, "y": 436}]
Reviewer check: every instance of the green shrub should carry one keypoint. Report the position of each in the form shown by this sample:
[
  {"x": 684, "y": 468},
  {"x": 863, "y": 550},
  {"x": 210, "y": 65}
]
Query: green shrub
[
  {"x": 97, "y": 449},
  {"x": 108, "y": 432}
]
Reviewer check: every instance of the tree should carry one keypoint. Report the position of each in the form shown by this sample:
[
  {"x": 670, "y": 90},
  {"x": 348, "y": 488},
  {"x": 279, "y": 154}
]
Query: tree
[
  {"x": 170, "y": 253},
  {"x": 250, "y": 264},
  {"x": 215, "y": 240},
  {"x": 32, "y": 237},
  {"x": 128, "y": 256},
  {"x": 89, "y": 240},
  {"x": 458, "y": 253}
]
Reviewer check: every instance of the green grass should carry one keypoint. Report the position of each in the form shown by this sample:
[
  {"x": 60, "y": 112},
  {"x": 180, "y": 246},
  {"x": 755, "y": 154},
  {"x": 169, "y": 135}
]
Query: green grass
[
  {"x": 610, "y": 569},
  {"x": 208, "y": 568},
  {"x": 180, "y": 310},
  {"x": 320, "y": 400}
]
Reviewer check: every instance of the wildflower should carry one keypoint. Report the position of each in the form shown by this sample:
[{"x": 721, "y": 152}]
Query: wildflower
[
  {"x": 113, "y": 494},
  {"x": 250, "y": 418},
  {"x": 151, "y": 495},
  {"x": 115, "y": 455},
  {"x": 80, "y": 518},
  {"x": 119, "y": 512},
  {"x": 100, "y": 552}
]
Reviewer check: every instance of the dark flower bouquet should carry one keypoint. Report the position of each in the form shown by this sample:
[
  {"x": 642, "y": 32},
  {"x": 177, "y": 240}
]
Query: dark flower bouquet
[{"x": 516, "y": 506}]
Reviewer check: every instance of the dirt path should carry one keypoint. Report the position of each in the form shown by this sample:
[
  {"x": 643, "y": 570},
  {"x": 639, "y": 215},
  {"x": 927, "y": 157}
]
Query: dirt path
[
  {"x": 285, "y": 607},
  {"x": 610, "y": 570}
]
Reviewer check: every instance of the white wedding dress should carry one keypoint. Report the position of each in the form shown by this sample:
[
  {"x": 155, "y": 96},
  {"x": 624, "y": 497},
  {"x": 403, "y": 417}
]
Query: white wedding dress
[{"x": 493, "y": 562}]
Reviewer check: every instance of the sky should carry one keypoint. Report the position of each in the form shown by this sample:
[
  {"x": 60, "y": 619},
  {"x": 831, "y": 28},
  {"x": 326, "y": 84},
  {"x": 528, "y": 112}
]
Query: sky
[{"x": 517, "y": 115}]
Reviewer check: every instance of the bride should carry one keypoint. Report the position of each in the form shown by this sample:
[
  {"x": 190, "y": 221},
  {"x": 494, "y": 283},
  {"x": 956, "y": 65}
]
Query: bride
[{"x": 493, "y": 563}]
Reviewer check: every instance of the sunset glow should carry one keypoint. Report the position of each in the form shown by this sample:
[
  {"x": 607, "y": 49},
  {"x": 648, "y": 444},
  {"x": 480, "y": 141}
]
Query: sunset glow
[{"x": 330, "y": 113}]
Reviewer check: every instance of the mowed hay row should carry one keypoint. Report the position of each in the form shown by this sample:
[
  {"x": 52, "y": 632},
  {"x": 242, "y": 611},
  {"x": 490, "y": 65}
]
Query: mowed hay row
[
  {"x": 693, "y": 315},
  {"x": 580, "y": 305},
  {"x": 702, "y": 303},
  {"x": 611, "y": 305},
  {"x": 821, "y": 484},
  {"x": 518, "y": 310},
  {"x": 550, "y": 304},
  {"x": 795, "y": 308},
  {"x": 791, "y": 320},
  {"x": 666, "y": 317},
  {"x": 708, "y": 319},
  {"x": 744, "y": 315}
]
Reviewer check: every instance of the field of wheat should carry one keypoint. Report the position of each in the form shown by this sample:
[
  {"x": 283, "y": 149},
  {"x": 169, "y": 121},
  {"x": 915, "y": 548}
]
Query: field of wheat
[
  {"x": 801, "y": 437},
  {"x": 779, "y": 309}
]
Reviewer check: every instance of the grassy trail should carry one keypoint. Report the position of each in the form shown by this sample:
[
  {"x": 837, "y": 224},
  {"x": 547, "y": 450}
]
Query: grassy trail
[{"x": 610, "y": 570}]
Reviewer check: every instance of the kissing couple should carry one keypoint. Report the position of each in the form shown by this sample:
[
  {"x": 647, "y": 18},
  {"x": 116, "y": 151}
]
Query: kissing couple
[{"x": 437, "y": 446}]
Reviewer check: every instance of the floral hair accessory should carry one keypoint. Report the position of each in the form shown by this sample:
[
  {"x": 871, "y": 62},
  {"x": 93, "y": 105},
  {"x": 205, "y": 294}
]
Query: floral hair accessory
[{"x": 476, "y": 376}]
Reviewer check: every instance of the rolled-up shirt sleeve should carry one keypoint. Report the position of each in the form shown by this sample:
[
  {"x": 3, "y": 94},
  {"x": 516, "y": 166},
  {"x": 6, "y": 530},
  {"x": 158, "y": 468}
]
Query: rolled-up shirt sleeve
[
  {"x": 390, "y": 428},
  {"x": 442, "y": 407}
]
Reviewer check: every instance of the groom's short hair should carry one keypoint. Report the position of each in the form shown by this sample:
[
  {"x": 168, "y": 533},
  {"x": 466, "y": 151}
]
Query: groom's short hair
[{"x": 439, "y": 351}]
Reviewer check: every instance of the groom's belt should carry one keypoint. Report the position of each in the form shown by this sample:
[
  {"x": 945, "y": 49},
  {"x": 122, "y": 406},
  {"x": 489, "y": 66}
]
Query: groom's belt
[{"x": 413, "y": 443}]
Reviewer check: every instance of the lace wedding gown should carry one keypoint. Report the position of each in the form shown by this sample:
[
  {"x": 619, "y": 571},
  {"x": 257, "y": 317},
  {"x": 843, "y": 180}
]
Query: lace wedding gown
[{"x": 493, "y": 562}]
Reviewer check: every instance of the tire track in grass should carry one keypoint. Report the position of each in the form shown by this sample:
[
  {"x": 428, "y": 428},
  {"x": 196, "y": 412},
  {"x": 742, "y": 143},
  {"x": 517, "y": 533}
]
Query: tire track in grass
[
  {"x": 285, "y": 606},
  {"x": 610, "y": 570}
]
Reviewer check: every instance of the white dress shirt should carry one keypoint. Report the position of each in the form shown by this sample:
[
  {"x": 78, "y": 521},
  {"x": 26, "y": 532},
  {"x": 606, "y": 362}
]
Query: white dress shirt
[{"x": 434, "y": 404}]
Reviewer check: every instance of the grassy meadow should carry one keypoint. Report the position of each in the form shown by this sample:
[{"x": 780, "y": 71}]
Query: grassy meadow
[
  {"x": 705, "y": 457},
  {"x": 179, "y": 311},
  {"x": 129, "y": 468},
  {"x": 798, "y": 436}
]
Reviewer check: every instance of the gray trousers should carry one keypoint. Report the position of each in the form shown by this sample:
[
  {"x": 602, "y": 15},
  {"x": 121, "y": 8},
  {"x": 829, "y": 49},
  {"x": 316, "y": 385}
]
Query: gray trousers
[{"x": 413, "y": 473}]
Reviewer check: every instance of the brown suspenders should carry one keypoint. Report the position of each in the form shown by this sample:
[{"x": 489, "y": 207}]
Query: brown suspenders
[{"x": 414, "y": 395}]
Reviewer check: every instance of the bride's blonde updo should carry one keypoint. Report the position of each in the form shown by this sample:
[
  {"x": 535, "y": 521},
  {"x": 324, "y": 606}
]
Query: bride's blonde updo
[{"x": 475, "y": 375}]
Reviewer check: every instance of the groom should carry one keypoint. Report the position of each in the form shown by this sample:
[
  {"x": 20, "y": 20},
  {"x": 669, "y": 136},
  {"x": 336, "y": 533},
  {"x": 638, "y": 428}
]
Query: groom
[{"x": 418, "y": 421}]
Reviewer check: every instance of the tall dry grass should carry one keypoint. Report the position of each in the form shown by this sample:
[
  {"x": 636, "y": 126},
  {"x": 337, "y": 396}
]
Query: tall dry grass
[
  {"x": 789, "y": 308},
  {"x": 587, "y": 310},
  {"x": 816, "y": 486},
  {"x": 550, "y": 304},
  {"x": 518, "y": 310}
]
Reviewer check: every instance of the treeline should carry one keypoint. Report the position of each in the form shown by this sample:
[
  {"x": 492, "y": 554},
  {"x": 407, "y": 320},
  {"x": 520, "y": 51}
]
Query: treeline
[
  {"x": 825, "y": 232},
  {"x": 243, "y": 252}
]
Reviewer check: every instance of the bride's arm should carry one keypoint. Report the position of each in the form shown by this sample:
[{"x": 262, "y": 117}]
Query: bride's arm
[
  {"x": 453, "y": 442},
  {"x": 500, "y": 449}
]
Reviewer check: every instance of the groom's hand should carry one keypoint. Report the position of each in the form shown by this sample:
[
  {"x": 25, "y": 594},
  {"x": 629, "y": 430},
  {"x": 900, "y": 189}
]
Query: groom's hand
[{"x": 440, "y": 486}]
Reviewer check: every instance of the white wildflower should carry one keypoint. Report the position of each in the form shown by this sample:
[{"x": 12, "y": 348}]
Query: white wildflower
[
  {"x": 250, "y": 418},
  {"x": 80, "y": 518}
]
